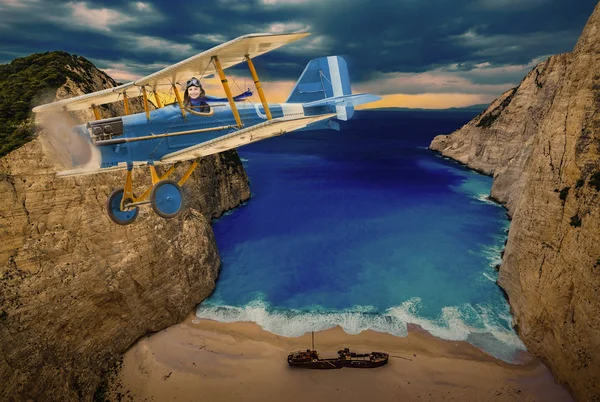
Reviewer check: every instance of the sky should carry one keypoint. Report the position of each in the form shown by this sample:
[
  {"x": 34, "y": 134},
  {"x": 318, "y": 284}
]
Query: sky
[{"x": 413, "y": 53}]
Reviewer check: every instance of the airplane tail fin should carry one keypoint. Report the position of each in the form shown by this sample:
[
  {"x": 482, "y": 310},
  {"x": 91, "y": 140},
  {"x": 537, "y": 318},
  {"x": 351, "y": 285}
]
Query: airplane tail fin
[{"x": 322, "y": 78}]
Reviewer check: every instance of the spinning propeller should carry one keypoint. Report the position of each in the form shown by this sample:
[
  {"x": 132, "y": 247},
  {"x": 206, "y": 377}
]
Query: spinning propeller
[{"x": 68, "y": 145}]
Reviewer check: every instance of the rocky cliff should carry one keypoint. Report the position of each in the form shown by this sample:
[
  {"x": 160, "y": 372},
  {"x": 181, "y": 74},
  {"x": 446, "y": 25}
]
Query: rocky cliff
[
  {"x": 28, "y": 81},
  {"x": 541, "y": 143},
  {"x": 76, "y": 290}
]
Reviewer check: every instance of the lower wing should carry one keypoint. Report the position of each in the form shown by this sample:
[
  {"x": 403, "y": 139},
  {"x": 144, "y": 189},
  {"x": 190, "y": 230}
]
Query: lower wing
[{"x": 245, "y": 136}]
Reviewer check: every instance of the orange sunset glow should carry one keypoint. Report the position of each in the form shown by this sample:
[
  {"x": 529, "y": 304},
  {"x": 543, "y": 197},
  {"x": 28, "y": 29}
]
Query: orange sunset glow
[{"x": 278, "y": 91}]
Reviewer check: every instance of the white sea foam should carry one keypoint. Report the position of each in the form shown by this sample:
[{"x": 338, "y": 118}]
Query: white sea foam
[
  {"x": 489, "y": 277},
  {"x": 299, "y": 322},
  {"x": 493, "y": 253},
  {"x": 450, "y": 324},
  {"x": 486, "y": 199},
  {"x": 503, "y": 343}
]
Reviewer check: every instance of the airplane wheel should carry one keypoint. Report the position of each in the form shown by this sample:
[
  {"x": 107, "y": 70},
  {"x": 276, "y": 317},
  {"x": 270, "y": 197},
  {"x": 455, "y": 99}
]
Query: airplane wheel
[
  {"x": 113, "y": 206},
  {"x": 166, "y": 199}
]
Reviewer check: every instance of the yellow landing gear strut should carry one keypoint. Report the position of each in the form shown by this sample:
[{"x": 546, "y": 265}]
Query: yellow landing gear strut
[{"x": 163, "y": 195}]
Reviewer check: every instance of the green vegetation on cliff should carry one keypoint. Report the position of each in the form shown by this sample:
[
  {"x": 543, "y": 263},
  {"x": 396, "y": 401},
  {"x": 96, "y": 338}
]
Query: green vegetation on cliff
[{"x": 28, "y": 81}]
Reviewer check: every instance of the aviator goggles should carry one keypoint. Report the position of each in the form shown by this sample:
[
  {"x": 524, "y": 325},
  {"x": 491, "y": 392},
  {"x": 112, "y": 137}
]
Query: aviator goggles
[{"x": 193, "y": 82}]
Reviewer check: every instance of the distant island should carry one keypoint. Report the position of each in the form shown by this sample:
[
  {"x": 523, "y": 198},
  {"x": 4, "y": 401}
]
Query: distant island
[{"x": 472, "y": 108}]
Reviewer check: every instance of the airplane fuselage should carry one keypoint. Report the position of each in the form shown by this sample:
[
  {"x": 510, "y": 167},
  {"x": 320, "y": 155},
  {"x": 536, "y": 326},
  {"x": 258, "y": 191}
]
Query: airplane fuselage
[{"x": 136, "y": 137}]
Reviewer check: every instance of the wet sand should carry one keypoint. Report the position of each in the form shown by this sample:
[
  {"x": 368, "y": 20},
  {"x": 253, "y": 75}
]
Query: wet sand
[{"x": 202, "y": 360}]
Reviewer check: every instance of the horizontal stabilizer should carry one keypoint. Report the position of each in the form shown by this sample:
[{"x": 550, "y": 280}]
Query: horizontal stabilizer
[{"x": 344, "y": 100}]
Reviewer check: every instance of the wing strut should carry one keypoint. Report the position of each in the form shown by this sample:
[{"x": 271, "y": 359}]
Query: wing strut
[
  {"x": 179, "y": 101},
  {"x": 188, "y": 173},
  {"x": 96, "y": 112},
  {"x": 236, "y": 114},
  {"x": 146, "y": 108},
  {"x": 159, "y": 104},
  {"x": 126, "y": 104},
  {"x": 261, "y": 94}
]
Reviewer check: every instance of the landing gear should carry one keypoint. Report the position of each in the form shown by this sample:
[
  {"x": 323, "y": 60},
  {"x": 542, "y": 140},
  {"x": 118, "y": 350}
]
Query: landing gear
[
  {"x": 113, "y": 206},
  {"x": 166, "y": 199},
  {"x": 165, "y": 196}
]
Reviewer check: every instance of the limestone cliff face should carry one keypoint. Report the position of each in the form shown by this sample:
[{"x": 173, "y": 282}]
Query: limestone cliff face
[
  {"x": 541, "y": 142},
  {"x": 498, "y": 141},
  {"x": 76, "y": 290}
]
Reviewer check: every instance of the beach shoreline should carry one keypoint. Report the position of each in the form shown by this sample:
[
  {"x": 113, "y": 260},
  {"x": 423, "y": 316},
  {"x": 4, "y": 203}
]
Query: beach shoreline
[{"x": 204, "y": 360}]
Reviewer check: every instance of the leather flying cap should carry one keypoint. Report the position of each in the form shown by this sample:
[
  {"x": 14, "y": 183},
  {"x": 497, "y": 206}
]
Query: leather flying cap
[{"x": 193, "y": 82}]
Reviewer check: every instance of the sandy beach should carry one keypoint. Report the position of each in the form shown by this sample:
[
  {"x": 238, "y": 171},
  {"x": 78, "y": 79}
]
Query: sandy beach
[{"x": 201, "y": 360}]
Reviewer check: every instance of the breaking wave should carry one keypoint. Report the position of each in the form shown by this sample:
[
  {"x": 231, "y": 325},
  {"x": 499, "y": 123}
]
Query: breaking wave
[
  {"x": 486, "y": 198},
  {"x": 473, "y": 324},
  {"x": 493, "y": 254}
]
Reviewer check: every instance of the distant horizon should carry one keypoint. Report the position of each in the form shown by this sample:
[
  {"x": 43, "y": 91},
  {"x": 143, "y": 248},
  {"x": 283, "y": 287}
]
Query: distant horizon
[{"x": 452, "y": 108}]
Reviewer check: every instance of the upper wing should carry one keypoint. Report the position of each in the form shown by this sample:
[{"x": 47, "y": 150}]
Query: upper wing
[
  {"x": 245, "y": 136},
  {"x": 229, "y": 54},
  {"x": 88, "y": 100},
  {"x": 200, "y": 65}
]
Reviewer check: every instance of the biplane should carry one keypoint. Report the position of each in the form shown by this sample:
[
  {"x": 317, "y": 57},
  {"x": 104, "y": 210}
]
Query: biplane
[{"x": 171, "y": 132}]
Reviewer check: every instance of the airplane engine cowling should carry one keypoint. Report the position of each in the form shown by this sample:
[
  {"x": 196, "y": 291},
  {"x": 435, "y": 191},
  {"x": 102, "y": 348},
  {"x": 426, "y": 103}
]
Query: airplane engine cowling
[{"x": 105, "y": 129}]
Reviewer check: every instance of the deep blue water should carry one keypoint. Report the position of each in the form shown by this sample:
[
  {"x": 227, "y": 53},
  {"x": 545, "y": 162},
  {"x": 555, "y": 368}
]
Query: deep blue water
[{"x": 365, "y": 228}]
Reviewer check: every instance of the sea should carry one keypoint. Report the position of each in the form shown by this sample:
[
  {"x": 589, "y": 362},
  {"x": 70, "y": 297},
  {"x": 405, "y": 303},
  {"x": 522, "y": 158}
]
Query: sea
[{"x": 366, "y": 228}]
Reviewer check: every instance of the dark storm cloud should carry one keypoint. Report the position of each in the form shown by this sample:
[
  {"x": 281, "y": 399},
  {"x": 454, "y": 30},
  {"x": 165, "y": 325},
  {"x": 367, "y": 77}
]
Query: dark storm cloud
[
  {"x": 416, "y": 36},
  {"x": 383, "y": 37}
]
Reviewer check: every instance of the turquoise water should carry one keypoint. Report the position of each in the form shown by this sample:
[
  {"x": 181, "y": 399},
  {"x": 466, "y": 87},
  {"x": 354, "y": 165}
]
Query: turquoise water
[{"x": 366, "y": 229}]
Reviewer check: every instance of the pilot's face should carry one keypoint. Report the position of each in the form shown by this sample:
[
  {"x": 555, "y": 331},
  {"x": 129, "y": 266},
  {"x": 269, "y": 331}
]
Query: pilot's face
[{"x": 194, "y": 92}]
